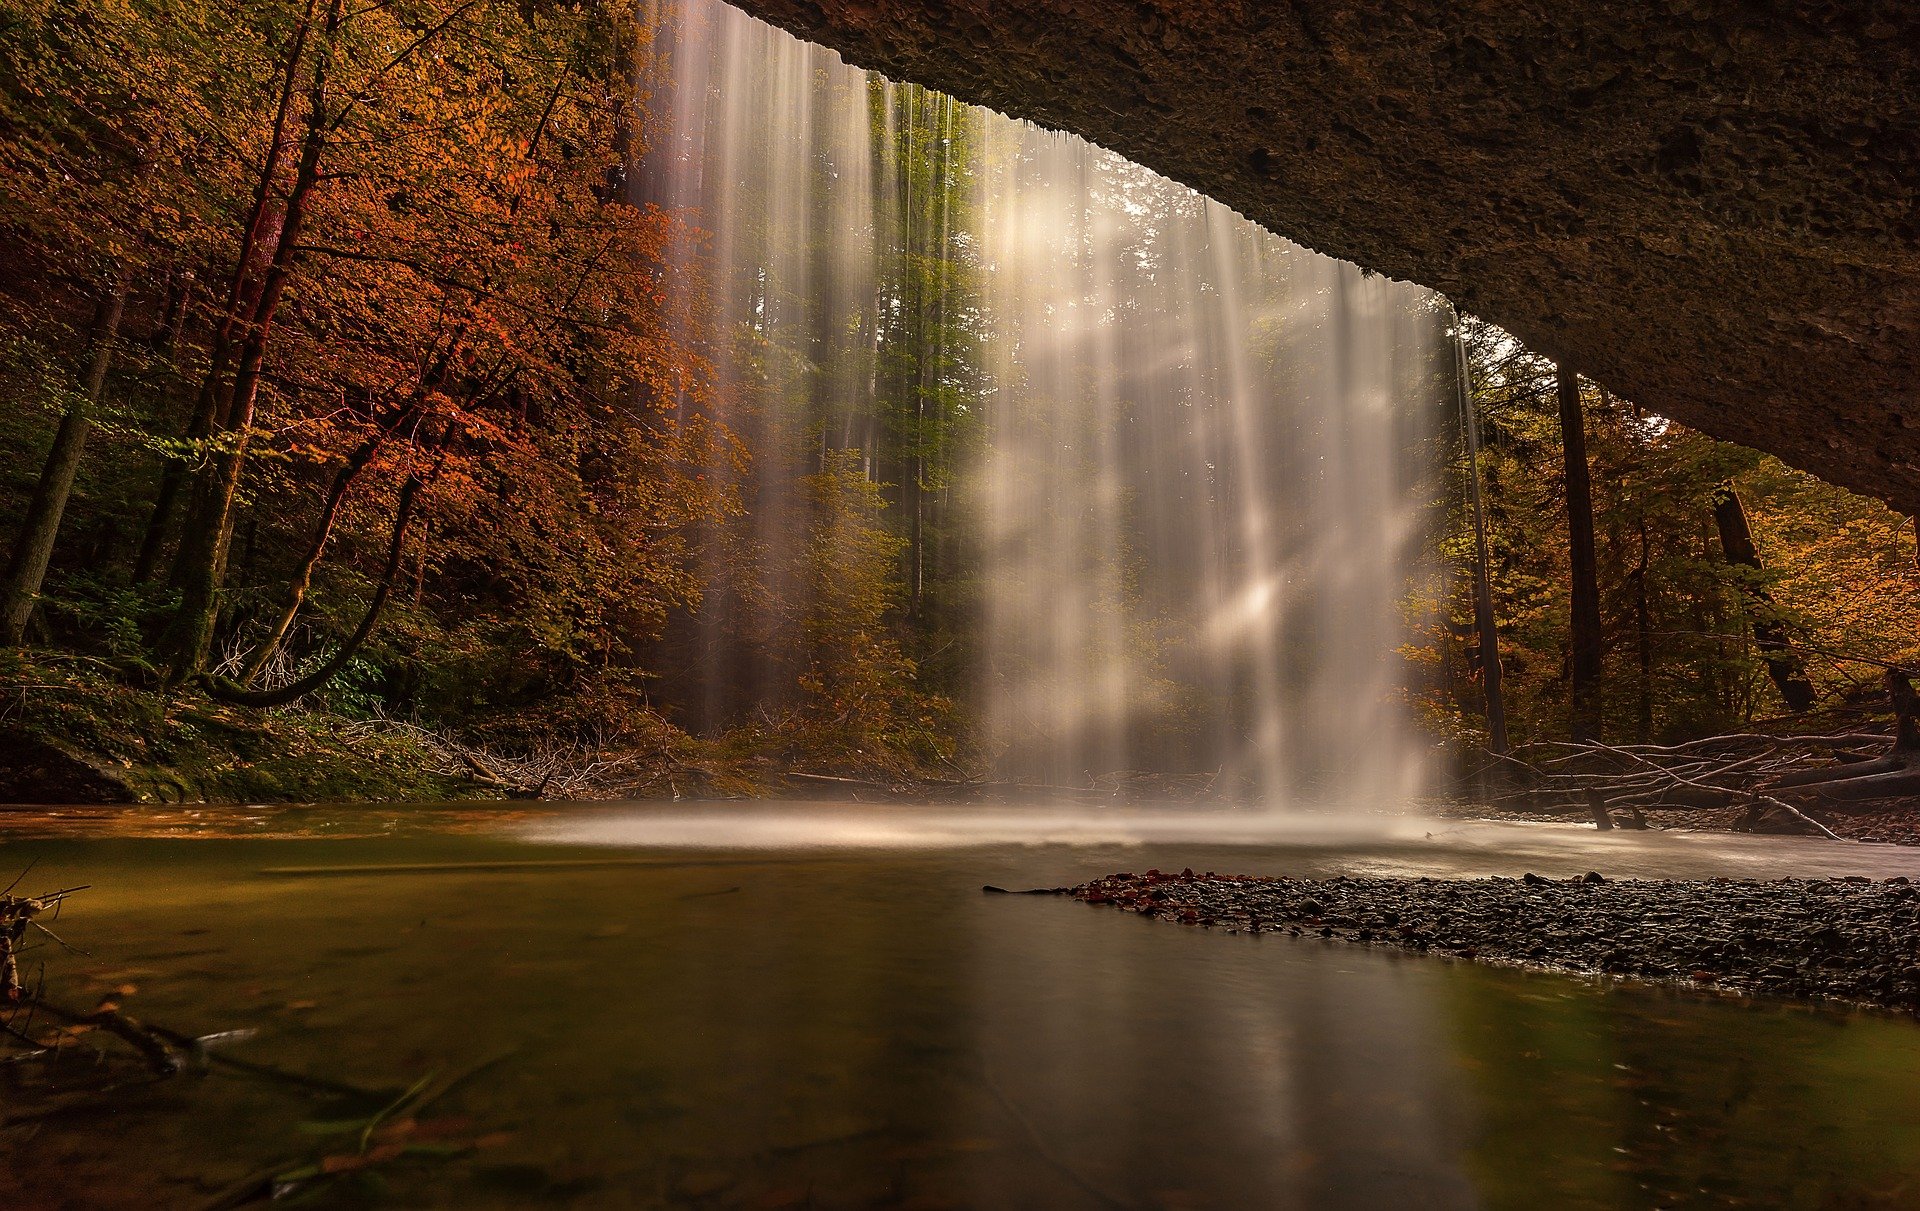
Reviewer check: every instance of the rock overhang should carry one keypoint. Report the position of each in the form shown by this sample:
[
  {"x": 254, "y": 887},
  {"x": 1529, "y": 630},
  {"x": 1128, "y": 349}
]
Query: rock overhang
[{"x": 1712, "y": 208}]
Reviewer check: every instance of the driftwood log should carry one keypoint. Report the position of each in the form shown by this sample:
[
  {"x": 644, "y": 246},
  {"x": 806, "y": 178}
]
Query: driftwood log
[
  {"x": 1779, "y": 779},
  {"x": 1895, "y": 774},
  {"x": 18, "y": 914}
]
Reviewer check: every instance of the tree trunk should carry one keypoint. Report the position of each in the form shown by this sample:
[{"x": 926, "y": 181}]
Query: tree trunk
[
  {"x": 317, "y": 679},
  {"x": 1906, "y": 714},
  {"x": 1587, "y": 642},
  {"x": 1784, "y": 665},
  {"x": 297, "y": 587},
  {"x": 241, "y": 305},
  {"x": 200, "y": 567},
  {"x": 420, "y": 568},
  {"x": 916, "y": 531},
  {"x": 1643, "y": 628},
  {"x": 33, "y": 549},
  {"x": 159, "y": 520},
  {"x": 165, "y": 338},
  {"x": 1483, "y": 617}
]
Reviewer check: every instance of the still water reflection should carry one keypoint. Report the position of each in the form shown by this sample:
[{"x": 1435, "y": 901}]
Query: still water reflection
[{"x": 785, "y": 1022}]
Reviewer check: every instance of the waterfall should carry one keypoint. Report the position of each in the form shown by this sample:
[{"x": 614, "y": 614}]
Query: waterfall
[{"x": 1182, "y": 457}]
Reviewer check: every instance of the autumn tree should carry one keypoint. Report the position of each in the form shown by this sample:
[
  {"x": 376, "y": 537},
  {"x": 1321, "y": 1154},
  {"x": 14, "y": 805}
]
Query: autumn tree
[
  {"x": 103, "y": 183},
  {"x": 399, "y": 296},
  {"x": 1679, "y": 648}
]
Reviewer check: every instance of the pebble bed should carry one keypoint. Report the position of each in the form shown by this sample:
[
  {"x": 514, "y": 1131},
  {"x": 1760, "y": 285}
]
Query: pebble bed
[
  {"x": 1889, "y": 821},
  {"x": 1848, "y": 939}
]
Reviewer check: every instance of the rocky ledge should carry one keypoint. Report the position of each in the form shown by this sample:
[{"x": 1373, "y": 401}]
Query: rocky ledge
[
  {"x": 1842, "y": 939},
  {"x": 1711, "y": 208}
]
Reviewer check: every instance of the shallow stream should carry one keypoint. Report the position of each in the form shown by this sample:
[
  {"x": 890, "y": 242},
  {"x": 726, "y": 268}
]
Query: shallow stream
[{"x": 815, "y": 1006}]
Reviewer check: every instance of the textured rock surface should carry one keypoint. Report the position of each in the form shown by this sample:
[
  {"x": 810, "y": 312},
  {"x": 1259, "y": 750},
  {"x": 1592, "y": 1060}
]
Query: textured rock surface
[
  {"x": 1713, "y": 208},
  {"x": 1841, "y": 939}
]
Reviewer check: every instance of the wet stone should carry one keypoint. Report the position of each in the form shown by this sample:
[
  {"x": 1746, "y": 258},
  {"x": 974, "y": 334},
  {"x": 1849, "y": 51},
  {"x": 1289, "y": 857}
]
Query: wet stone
[{"x": 1847, "y": 939}]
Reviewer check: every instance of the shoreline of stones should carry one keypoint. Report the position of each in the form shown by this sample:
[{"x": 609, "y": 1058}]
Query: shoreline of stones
[
  {"x": 1893, "y": 822},
  {"x": 1847, "y": 939}
]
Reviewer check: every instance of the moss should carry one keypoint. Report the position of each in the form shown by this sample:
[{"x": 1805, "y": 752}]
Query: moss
[{"x": 72, "y": 731}]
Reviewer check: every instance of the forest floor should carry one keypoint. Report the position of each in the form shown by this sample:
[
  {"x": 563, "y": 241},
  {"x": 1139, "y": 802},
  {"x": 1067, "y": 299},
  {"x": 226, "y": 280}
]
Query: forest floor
[
  {"x": 1846, "y": 939},
  {"x": 73, "y": 731}
]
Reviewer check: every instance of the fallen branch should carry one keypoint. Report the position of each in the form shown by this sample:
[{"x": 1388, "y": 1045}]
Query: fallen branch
[
  {"x": 166, "y": 1052},
  {"x": 1768, "y": 800},
  {"x": 1642, "y": 777},
  {"x": 1895, "y": 774},
  {"x": 834, "y": 778},
  {"x": 160, "y": 1056},
  {"x": 17, "y": 915}
]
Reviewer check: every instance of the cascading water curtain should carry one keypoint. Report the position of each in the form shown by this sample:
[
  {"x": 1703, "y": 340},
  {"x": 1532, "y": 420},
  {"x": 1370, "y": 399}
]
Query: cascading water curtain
[
  {"x": 1204, "y": 485},
  {"x": 1194, "y": 492},
  {"x": 771, "y": 152}
]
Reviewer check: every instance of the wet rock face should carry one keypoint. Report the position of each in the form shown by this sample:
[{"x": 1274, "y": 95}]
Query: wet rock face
[{"x": 1713, "y": 208}]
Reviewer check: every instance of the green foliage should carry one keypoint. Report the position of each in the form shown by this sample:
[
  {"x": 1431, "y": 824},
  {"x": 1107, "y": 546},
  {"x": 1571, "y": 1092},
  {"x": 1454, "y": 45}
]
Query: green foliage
[
  {"x": 109, "y": 613},
  {"x": 355, "y": 692},
  {"x": 854, "y": 669}
]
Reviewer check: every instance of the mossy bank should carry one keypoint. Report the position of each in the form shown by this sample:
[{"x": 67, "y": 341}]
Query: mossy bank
[{"x": 72, "y": 731}]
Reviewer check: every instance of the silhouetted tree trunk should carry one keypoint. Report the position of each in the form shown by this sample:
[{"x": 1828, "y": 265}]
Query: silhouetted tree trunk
[
  {"x": 1643, "y": 628},
  {"x": 160, "y": 519},
  {"x": 33, "y": 548},
  {"x": 1906, "y": 713},
  {"x": 1784, "y": 666},
  {"x": 1587, "y": 642},
  {"x": 1483, "y": 617},
  {"x": 165, "y": 337}
]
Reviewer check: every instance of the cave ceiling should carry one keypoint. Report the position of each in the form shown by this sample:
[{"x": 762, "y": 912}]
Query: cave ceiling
[{"x": 1712, "y": 209}]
